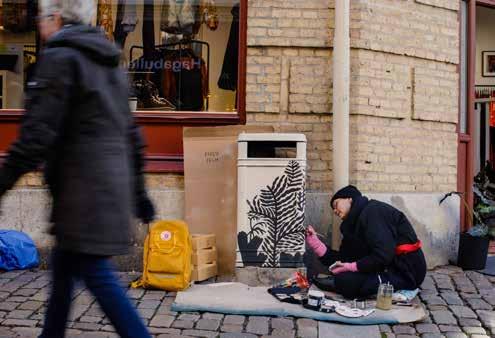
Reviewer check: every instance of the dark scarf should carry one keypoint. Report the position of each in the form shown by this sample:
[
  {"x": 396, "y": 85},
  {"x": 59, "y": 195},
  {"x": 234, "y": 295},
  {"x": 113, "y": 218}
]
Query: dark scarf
[{"x": 348, "y": 226}]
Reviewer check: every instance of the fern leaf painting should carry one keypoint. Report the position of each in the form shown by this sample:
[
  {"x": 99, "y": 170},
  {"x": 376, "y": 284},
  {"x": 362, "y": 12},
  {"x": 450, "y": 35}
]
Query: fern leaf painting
[{"x": 276, "y": 215}]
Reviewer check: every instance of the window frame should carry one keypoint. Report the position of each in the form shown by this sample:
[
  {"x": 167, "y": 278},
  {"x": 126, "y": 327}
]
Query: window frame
[{"x": 159, "y": 122}]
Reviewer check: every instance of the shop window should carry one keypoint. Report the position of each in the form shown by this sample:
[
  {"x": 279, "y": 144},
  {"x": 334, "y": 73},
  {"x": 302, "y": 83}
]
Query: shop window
[{"x": 180, "y": 55}]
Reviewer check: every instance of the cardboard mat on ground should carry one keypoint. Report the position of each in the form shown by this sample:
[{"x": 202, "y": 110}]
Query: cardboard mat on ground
[
  {"x": 210, "y": 175},
  {"x": 240, "y": 299}
]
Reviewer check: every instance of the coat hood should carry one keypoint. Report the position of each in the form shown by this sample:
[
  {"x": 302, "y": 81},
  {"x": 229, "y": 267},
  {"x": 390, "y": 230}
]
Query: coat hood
[{"x": 89, "y": 40}]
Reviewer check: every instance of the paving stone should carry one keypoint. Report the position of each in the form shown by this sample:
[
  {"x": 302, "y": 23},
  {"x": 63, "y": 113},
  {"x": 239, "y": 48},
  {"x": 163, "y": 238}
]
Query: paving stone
[
  {"x": 478, "y": 304},
  {"x": 39, "y": 317},
  {"x": 164, "y": 309},
  {"x": 8, "y": 306},
  {"x": 427, "y": 328},
  {"x": 403, "y": 329},
  {"x": 487, "y": 318},
  {"x": 5, "y": 332},
  {"x": 474, "y": 330},
  {"x": 307, "y": 328},
  {"x": 20, "y": 322},
  {"x": 20, "y": 314},
  {"x": 449, "y": 328},
  {"x": 469, "y": 322},
  {"x": 216, "y": 316},
  {"x": 188, "y": 316},
  {"x": 231, "y": 328},
  {"x": 234, "y": 319},
  {"x": 452, "y": 298},
  {"x": 17, "y": 299},
  {"x": 146, "y": 313},
  {"x": 434, "y": 300},
  {"x": 428, "y": 284},
  {"x": 154, "y": 295},
  {"x": 257, "y": 325},
  {"x": 455, "y": 335},
  {"x": 490, "y": 299},
  {"x": 282, "y": 324},
  {"x": 437, "y": 307},
  {"x": 208, "y": 324},
  {"x": 149, "y": 304},
  {"x": 90, "y": 319},
  {"x": 200, "y": 333},
  {"x": 26, "y": 292},
  {"x": 30, "y": 305},
  {"x": 37, "y": 284},
  {"x": 237, "y": 335},
  {"x": 162, "y": 321},
  {"x": 347, "y": 331},
  {"x": 277, "y": 333},
  {"x": 465, "y": 295},
  {"x": 406, "y": 336},
  {"x": 87, "y": 326},
  {"x": 158, "y": 330},
  {"x": 41, "y": 296},
  {"x": 463, "y": 311},
  {"x": 183, "y": 324},
  {"x": 443, "y": 317},
  {"x": 135, "y": 293},
  {"x": 4, "y": 295},
  {"x": 432, "y": 335},
  {"x": 26, "y": 332},
  {"x": 98, "y": 335},
  {"x": 77, "y": 311}
]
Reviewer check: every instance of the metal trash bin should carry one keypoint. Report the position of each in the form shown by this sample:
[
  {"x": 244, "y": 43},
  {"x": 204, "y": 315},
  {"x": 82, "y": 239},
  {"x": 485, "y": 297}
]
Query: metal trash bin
[{"x": 271, "y": 200}]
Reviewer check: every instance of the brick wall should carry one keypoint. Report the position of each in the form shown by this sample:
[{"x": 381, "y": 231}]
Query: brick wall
[
  {"x": 404, "y": 87},
  {"x": 404, "y": 95}
]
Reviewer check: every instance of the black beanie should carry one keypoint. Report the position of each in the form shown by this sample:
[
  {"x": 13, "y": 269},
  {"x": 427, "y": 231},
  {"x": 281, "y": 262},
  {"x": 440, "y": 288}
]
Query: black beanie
[{"x": 347, "y": 192}]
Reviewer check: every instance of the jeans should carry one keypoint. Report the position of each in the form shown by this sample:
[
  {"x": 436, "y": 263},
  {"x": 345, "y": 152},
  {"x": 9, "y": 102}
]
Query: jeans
[{"x": 97, "y": 273}]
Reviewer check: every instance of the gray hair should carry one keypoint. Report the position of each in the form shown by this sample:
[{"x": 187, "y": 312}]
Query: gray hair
[{"x": 71, "y": 11}]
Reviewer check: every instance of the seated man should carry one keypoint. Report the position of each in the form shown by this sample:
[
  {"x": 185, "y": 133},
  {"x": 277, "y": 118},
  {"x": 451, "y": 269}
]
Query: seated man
[{"x": 378, "y": 244}]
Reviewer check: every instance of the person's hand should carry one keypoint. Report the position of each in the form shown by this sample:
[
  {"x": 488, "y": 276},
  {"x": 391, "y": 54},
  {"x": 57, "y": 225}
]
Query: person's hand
[
  {"x": 312, "y": 241},
  {"x": 310, "y": 231},
  {"x": 145, "y": 210},
  {"x": 339, "y": 267}
]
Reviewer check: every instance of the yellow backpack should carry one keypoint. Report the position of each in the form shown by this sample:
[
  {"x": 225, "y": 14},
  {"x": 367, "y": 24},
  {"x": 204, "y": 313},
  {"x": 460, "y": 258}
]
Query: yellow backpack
[{"x": 167, "y": 257}]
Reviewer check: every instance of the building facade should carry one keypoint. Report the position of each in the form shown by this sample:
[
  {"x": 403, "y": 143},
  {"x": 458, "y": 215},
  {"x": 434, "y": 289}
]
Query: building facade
[{"x": 404, "y": 111}]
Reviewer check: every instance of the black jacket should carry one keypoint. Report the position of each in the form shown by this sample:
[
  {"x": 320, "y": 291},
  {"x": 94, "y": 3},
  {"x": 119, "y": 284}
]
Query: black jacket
[
  {"x": 78, "y": 123},
  {"x": 371, "y": 232}
]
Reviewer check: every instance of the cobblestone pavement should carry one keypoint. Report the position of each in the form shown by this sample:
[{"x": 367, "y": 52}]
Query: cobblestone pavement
[{"x": 460, "y": 304}]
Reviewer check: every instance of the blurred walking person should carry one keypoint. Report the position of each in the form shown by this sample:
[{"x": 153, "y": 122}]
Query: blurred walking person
[{"x": 79, "y": 125}]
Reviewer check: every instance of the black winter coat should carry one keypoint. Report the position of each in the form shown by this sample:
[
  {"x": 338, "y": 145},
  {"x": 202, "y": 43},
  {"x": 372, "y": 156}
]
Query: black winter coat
[
  {"x": 371, "y": 232},
  {"x": 78, "y": 123}
]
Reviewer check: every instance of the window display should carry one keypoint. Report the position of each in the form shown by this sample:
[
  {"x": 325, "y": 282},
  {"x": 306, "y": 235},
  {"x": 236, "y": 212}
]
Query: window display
[{"x": 180, "y": 55}]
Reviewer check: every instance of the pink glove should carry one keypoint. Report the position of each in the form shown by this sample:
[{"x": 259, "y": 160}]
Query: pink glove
[
  {"x": 344, "y": 267},
  {"x": 312, "y": 240}
]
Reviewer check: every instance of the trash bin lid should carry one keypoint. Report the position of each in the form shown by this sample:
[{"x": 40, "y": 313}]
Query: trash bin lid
[{"x": 245, "y": 137}]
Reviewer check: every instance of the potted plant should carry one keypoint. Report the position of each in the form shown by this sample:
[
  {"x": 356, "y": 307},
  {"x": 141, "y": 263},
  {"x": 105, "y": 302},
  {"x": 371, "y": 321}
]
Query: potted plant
[{"x": 474, "y": 243}]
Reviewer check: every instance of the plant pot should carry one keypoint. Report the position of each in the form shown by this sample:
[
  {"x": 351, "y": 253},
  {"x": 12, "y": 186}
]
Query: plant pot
[{"x": 472, "y": 252}]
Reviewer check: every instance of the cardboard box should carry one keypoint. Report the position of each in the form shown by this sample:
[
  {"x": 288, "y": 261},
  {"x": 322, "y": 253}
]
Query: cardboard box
[
  {"x": 204, "y": 256},
  {"x": 200, "y": 241},
  {"x": 203, "y": 272},
  {"x": 210, "y": 175}
]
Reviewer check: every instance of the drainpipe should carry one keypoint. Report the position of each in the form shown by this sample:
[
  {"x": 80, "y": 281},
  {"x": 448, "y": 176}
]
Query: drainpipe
[{"x": 341, "y": 89}]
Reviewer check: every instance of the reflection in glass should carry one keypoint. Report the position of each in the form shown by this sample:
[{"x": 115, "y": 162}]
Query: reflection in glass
[{"x": 180, "y": 55}]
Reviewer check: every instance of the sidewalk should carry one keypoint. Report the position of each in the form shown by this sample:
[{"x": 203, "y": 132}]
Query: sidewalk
[{"x": 460, "y": 304}]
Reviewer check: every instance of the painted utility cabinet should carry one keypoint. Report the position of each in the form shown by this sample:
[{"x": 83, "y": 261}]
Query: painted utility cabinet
[{"x": 271, "y": 200}]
